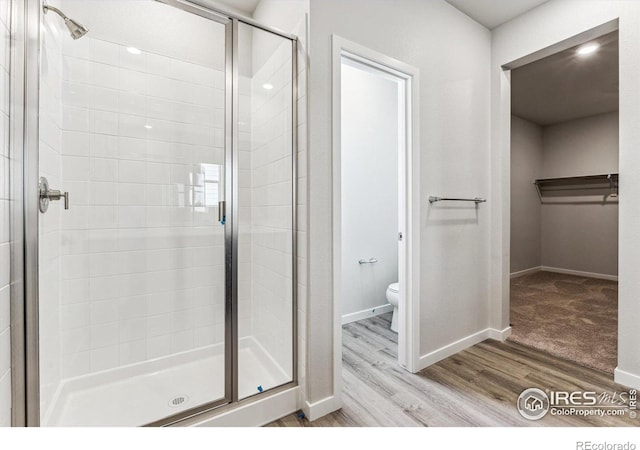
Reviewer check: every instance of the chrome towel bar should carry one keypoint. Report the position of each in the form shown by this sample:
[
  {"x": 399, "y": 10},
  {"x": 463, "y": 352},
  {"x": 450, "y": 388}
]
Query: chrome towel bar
[
  {"x": 476, "y": 200},
  {"x": 368, "y": 261}
]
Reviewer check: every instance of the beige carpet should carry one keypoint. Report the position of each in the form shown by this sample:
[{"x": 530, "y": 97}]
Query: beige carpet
[{"x": 574, "y": 318}]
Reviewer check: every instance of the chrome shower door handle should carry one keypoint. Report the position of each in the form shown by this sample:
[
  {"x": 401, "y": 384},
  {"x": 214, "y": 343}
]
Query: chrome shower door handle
[{"x": 47, "y": 195}]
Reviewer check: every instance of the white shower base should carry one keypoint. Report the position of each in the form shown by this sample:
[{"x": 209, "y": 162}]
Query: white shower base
[{"x": 142, "y": 393}]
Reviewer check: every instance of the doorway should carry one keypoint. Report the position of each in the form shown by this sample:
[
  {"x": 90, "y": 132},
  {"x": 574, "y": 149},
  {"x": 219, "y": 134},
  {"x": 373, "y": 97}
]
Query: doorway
[
  {"x": 564, "y": 203},
  {"x": 372, "y": 108},
  {"x": 375, "y": 163}
]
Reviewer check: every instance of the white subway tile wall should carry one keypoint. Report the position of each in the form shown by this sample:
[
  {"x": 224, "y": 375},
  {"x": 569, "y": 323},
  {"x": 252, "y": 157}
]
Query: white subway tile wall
[
  {"x": 271, "y": 209},
  {"x": 245, "y": 211},
  {"x": 5, "y": 234},
  {"x": 142, "y": 251},
  {"x": 50, "y": 223},
  {"x": 134, "y": 270}
]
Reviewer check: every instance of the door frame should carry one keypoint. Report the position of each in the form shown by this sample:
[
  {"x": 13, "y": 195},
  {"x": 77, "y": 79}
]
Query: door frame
[
  {"x": 409, "y": 207},
  {"x": 502, "y": 312},
  {"x": 24, "y": 142}
]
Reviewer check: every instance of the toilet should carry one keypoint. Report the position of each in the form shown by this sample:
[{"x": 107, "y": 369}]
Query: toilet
[{"x": 393, "y": 296}]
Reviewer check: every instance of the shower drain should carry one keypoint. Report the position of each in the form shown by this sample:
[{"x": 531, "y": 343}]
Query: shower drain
[{"x": 179, "y": 400}]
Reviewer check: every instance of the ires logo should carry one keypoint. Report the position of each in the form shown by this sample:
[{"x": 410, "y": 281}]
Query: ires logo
[
  {"x": 561, "y": 398},
  {"x": 534, "y": 404}
]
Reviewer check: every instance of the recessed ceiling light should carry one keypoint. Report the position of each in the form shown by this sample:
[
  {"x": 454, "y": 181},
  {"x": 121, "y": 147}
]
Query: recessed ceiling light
[
  {"x": 133, "y": 50},
  {"x": 148, "y": 127},
  {"x": 268, "y": 86},
  {"x": 588, "y": 49}
]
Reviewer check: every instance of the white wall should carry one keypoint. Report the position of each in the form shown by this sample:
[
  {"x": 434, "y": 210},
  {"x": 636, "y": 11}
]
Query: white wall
[
  {"x": 565, "y": 232},
  {"x": 5, "y": 228},
  {"x": 526, "y": 162},
  {"x": 581, "y": 234},
  {"x": 451, "y": 52},
  {"x": 587, "y": 146},
  {"x": 543, "y": 27},
  {"x": 370, "y": 107}
]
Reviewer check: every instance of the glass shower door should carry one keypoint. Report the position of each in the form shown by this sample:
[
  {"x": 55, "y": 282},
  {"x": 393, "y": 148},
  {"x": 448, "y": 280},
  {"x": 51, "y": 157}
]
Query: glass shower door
[
  {"x": 265, "y": 201},
  {"x": 132, "y": 276}
]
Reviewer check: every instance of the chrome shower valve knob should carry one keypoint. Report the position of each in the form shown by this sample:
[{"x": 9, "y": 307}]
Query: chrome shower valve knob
[{"x": 46, "y": 195}]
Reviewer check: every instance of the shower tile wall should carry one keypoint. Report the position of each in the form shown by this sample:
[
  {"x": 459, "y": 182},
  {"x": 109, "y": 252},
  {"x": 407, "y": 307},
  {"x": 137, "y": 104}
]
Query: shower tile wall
[
  {"x": 271, "y": 211},
  {"x": 142, "y": 142},
  {"x": 245, "y": 229},
  {"x": 135, "y": 138},
  {"x": 5, "y": 349},
  {"x": 49, "y": 226}
]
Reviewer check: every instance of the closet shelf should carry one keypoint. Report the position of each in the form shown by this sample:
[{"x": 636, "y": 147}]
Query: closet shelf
[{"x": 579, "y": 183}]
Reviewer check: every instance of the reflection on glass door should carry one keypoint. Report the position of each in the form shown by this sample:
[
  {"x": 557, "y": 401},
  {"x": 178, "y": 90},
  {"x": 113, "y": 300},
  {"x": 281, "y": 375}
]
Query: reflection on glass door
[
  {"x": 132, "y": 275},
  {"x": 265, "y": 206}
]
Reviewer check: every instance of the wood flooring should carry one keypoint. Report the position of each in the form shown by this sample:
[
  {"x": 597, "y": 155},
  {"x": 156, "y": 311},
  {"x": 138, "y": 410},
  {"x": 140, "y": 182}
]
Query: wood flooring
[{"x": 476, "y": 387}]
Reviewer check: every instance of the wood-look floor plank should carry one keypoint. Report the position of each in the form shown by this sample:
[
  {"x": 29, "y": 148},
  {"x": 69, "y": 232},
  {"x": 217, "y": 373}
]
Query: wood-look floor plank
[{"x": 476, "y": 387}]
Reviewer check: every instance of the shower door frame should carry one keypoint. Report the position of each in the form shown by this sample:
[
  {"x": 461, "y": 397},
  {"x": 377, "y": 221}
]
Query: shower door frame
[{"x": 24, "y": 314}]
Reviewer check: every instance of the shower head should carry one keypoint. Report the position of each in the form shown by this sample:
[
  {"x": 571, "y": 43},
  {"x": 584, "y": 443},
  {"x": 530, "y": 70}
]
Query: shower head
[{"x": 76, "y": 29}]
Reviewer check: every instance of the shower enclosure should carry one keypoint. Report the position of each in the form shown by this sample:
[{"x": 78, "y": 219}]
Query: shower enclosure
[{"x": 160, "y": 212}]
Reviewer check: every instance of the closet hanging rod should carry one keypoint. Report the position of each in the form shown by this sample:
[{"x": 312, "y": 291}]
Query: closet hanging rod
[
  {"x": 585, "y": 178},
  {"x": 579, "y": 183},
  {"x": 476, "y": 200}
]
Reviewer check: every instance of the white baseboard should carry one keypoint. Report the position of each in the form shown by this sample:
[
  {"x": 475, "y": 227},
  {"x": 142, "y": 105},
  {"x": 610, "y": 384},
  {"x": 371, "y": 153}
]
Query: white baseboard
[
  {"x": 451, "y": 349},
  {"x": 499, "y": 335},
  {"x": 254, "y": 414},
  {"x": 462, "y": 344},
  {"x": 526, "y": 271},
  {"x": 366, "y": 313},
  {"x": 321, "y": 408},
  {"x": 626, "y": 378},
  {"x": 580, "y": 273}
]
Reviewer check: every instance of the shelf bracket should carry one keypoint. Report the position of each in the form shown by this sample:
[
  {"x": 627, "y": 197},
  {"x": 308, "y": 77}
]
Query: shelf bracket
[
  {"x": 537, "y": 185},
  {"x": 613, "y": 181}
]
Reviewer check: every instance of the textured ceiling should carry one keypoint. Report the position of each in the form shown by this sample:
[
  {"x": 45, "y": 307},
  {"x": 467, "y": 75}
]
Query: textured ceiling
[{"x": 566, "y": 86}]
